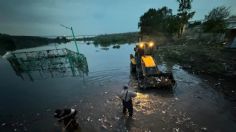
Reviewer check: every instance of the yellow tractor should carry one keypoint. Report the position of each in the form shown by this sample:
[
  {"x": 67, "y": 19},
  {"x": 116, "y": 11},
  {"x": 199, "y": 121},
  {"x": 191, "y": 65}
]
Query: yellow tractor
[{"x": 145, "y": 68}]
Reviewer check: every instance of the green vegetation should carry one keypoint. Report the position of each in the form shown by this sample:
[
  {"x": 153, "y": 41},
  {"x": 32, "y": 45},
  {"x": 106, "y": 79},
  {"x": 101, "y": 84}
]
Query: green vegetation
[
  {"x": 162, "y": 20},
  {"x": 111, "y": 39},
  {"x": 199, "y": 55},
  {"x": 184, "y": 14},
  {"x": 215, "y": 21},
  {"x": 154, "y": 21}
]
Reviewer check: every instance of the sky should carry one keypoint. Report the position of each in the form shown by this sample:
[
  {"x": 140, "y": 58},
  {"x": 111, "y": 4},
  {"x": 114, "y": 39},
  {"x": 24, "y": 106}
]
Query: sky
[{"x": 87, "y": 17}]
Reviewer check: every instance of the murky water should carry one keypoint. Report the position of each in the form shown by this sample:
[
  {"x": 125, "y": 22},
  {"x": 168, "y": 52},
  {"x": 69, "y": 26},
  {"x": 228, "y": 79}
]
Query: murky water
[{"x": 191, "y": 106}]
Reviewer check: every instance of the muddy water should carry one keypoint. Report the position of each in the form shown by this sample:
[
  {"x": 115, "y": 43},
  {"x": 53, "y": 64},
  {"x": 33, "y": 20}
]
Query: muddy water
[{"x": 191, "y": 106}]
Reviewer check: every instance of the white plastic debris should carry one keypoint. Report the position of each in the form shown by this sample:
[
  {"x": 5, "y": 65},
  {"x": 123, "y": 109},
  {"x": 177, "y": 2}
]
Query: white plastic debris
[
  {"x": 117, "y": 118},
  {"x": 175, "y": 129},
  {"x": 88, "y": 119}
]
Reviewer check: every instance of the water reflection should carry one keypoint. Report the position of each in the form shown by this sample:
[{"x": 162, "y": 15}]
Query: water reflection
[{"x": 44, "y": 64}]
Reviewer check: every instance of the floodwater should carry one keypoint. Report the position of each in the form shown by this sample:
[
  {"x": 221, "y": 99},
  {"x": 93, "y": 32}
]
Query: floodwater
[{"x": 192, "y": 106}]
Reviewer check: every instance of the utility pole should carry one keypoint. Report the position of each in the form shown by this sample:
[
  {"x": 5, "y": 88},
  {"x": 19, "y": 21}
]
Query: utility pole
[{"x": 72, "y": 31}]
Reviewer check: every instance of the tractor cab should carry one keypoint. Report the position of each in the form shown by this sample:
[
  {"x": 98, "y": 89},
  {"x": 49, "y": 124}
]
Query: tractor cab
[{"x": 148, "y": 65}]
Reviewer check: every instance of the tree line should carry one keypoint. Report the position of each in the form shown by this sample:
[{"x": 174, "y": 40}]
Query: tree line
[{"x": 163, "y": 20}]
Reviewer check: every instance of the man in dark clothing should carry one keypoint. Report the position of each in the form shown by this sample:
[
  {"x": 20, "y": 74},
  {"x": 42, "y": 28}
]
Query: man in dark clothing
[
  {"x": 126, "y": 97},
  {"x": 68, "y": 118}
]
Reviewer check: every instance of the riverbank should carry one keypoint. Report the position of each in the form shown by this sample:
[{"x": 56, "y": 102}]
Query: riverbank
[
  {"x": 210, "y": 60},
  {"x": 106, "y": 40},
  {"x": 11, "y": 42}
]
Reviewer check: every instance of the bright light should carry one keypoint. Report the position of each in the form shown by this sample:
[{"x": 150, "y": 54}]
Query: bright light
[
  {"x": 141, "y": 45},
  {"x": 150, "y": 44}
]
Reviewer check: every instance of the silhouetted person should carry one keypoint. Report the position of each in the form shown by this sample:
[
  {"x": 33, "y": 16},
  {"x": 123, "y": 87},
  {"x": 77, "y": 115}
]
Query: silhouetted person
[
  {"x": 68, "y": 118},
  {"x": 126, "y": 97}
]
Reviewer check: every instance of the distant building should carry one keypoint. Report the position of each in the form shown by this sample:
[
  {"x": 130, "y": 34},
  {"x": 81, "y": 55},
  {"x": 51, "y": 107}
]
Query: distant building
[{"x": 231, "y": 32}]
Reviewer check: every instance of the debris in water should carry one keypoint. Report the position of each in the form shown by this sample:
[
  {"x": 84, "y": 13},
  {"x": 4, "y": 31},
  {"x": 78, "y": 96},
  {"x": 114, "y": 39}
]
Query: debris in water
[
  {"x": 204, "y": 129},
  {"x": 105, "y": 92},
  {"x": 3, "y": 124},
  {"x": 103, "y": 126},
  {"x": 117, "y": 118},
  {"x": 176, "y": 98},
  {"x": 89, "y": 119},
  {"x": 217, "y": 84},
  {"x": 163, "y": 112},
  {"x": 175, "y": 129}
]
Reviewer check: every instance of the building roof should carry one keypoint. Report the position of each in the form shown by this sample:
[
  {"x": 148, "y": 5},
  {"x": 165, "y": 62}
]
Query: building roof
[{"x": 231, "y": 22}]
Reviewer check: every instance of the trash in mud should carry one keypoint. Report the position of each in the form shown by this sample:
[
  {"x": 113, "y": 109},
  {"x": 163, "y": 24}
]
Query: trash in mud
[
  {"x": 163, "y": 112},
  {"x": 117, "y": 118},
  {"x": 175, "y": 129},
  {"x": 89, "y": 119}
]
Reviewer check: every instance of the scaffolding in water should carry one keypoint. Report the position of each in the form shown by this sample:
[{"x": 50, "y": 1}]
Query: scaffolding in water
[{"x": 52, "y": 63}]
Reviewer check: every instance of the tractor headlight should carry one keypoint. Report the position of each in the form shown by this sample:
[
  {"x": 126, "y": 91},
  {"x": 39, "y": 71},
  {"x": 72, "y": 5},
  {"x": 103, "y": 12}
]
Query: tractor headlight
[
  {"x": 150, "y": 44},
  {"x": 141, "y": 45}
]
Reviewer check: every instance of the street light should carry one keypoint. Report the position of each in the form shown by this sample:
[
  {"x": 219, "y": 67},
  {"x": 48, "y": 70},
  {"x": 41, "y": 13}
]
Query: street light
[{"x": 72, "y": 31}]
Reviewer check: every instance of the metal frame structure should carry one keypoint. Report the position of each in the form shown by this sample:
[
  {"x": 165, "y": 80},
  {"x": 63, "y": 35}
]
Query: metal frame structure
[{"x": 44, "y": 64}]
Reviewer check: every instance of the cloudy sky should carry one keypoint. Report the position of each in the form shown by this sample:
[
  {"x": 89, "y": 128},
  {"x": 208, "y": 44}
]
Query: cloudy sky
[{"x": 88, "y": 17}]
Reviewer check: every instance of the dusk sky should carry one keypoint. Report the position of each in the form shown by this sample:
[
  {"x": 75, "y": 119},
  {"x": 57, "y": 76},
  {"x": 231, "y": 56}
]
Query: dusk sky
[{"x": 88, "y": 17}]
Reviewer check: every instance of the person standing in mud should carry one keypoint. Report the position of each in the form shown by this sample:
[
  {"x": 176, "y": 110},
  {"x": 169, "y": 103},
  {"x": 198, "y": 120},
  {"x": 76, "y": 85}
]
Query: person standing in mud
[{"x": 126, "y": 97}]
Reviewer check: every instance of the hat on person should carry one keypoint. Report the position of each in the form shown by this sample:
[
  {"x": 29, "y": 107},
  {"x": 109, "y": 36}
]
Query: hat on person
[{"x": 125, "y": 86}]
